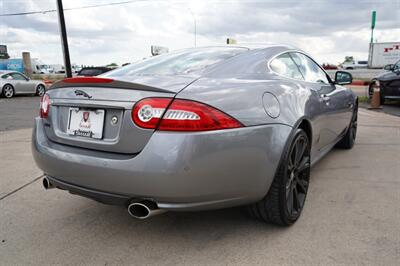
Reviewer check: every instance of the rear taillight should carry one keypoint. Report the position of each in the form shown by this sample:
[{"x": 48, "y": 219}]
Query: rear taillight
[
  {"x": 44, "y": 106},
  {"x": 180, "y": 115},
  {"x": 148, "y": 112}
]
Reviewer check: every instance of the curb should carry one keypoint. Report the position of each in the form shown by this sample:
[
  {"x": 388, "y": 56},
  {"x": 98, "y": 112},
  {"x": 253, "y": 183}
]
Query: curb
[{"x": 358, "y": 82}]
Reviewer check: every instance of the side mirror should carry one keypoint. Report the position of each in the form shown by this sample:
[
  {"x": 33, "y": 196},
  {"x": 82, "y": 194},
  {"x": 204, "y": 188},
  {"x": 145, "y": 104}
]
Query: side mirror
[
  {"x": 389, "y": 67},
  {"x": 343, "y": 78}
]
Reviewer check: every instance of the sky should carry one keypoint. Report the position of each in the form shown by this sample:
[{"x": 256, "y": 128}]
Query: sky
[{"x": 327, "y": 30}]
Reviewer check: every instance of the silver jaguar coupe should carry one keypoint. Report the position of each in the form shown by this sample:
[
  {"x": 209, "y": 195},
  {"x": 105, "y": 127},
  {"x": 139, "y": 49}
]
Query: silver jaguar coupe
[
  {"x": 196, "y": 129},
  {"x": 13, "y": 82}
]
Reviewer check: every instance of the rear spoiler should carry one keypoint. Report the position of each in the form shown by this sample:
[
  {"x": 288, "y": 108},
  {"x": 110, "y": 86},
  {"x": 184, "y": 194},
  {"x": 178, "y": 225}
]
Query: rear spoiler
[{"x": 103, "y": 83}]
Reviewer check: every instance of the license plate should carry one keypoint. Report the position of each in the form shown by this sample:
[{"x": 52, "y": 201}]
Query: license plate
[{"x": 86, "y": 123}]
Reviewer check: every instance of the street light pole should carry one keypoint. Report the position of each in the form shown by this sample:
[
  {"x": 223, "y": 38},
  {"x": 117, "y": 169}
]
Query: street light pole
[{"x": 64, "y": 40}]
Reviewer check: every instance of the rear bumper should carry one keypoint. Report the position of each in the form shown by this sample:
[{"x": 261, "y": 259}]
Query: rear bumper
[{"x": 178, "y": 171}]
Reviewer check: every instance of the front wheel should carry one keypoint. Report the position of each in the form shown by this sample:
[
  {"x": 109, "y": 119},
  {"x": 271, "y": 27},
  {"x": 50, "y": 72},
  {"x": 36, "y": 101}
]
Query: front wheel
[
  {"x": 286, "y": 197},
  {"x": 40, "y": 90},
  {"x": 348, "y": 140}
]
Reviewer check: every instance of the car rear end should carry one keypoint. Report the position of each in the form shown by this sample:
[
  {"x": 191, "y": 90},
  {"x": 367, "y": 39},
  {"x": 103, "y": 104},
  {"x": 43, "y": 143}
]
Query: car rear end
[{"x": 118, "y": 141}]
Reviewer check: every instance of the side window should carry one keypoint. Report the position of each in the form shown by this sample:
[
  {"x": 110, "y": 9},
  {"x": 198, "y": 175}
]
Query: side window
[
  {"x": 310, "y": 70},
  {"x": 6, "y": 76},
  {"x": 285, "y": 66},
  {"x": 17, "y": 76},
  {"x": 397, "y": 66}
]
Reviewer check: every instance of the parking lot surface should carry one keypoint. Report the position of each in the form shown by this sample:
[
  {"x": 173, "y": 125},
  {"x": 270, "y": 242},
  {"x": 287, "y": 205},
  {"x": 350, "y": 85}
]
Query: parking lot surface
[
  {"x": 18, "y": 112},
  {"x": 351, "y": 215}
]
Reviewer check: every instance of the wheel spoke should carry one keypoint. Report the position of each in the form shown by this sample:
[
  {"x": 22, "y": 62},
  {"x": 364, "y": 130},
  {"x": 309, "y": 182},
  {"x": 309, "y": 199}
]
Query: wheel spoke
[
  {"x": 289, "y": 201},
  {"x": 304, "y": 164},
  {"x": 302, "y": 185},
  {"x": 296, "y": 200},
  {"x": 288, "y": 189},
  {"x": 291, "y": 161},
  {"x": 300, "y": 149}
]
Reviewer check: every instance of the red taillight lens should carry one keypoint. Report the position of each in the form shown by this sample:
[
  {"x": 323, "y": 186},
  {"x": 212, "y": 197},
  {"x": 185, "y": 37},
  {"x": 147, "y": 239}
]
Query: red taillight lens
[
  {"x": 181, "y": 115},
  {"x": 148, "y": 112},
  {"x": 185, "y": 115},
  {"x": 45, "y": 106}
]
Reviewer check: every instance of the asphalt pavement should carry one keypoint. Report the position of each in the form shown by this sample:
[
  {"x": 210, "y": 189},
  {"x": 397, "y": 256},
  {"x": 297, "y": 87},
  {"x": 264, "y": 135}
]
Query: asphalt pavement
[
  {"x": 18, "y": 112},
  {"x": 351, "y": 215}
]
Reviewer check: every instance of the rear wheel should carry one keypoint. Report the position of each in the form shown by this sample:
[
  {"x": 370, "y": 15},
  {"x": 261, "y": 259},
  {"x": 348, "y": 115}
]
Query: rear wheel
[
  {"x": 40, "y": 90},
  {"x": 348, "y": 140},
  {"x": 286, "y": 197},
  {"x": 8, "y": 91}
]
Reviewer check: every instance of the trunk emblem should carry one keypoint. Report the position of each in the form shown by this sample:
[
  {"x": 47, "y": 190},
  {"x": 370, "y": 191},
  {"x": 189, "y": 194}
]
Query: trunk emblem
[{"x": 82, "y": 93}]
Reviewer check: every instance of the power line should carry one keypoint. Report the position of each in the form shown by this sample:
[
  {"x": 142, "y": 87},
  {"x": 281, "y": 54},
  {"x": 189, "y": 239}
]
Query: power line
[{"x": 72, "y": 8}]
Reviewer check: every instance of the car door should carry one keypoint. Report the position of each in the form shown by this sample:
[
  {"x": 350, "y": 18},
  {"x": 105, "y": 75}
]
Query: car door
[
  {"x": 391, "y": 82},
  {"x": 332, "y": 99},
  {"x": 22, "y": 84},
  {"x": 285, "y": 66}
]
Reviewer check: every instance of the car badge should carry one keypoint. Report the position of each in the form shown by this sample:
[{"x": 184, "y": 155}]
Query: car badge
[
  {"x": 82, "y": 93},
  {"x": 85, "y": 122}
]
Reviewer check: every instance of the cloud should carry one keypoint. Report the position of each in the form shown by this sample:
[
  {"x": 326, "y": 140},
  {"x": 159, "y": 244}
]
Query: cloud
[{"x": 329, "y": 30}]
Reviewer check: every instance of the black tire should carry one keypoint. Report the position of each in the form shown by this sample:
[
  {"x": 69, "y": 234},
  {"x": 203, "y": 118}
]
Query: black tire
[
  {"x": 286, "y": 197},
  {"x": 348, "y": 140},
  {"x": 8, "y": 91},
  {"x": 40, "y": 90}
]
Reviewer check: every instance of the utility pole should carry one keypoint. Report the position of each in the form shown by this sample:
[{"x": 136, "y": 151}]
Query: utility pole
[{"x": 64, "y": 40}]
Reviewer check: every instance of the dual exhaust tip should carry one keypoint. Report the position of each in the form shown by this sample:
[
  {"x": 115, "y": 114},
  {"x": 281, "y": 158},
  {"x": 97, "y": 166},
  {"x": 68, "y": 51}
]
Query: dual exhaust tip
[
  {"x": 47, "y": 184},
  {"x": 140, "y": 209},
  {"x": 144, "y": 209}
]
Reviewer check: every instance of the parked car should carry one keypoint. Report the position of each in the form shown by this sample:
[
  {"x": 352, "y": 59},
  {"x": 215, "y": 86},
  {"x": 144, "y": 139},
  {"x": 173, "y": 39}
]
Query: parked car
[
  {"x": 12, "y": 83},
  {"x": 328, "y": 66},
  {"x": 197, "y": 129},
  {"x": 355, "y": 64},
  {"x": 93, "y": 71},
  {"x": 388, "y": 82}
]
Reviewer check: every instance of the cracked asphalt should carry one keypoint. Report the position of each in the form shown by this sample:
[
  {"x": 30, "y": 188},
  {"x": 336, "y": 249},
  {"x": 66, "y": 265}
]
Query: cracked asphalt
[{"x": 351, "y": 216}]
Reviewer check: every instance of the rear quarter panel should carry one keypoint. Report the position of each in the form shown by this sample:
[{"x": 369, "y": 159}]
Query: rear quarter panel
[{"x": 242, "y": 98}]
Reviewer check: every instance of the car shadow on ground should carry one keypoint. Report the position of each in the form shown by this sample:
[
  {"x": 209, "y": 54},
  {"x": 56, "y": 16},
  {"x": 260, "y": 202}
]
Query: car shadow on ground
[{"x": 391, "y": 107}]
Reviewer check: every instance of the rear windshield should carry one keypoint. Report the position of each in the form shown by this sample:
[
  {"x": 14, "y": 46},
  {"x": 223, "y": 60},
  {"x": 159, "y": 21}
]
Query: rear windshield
[
  {"x": 180, "y": 62},
  {"x": 91, "y": 72}
]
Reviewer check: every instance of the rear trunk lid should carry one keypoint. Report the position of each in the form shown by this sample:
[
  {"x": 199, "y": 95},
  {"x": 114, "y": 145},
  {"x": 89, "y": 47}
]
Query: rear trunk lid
[{"x": 95, "y": 113}]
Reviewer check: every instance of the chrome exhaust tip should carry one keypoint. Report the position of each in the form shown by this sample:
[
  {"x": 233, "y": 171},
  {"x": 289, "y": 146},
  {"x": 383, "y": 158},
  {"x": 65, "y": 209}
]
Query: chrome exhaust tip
[
  {"x": 144, "y": 209},
  {"x": 47, "y": 184}
]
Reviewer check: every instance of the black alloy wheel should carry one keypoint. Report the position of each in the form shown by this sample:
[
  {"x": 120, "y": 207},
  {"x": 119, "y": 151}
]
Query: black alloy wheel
[
  {"x": 286, "y": 197},
  {"x": 298, "y": 176}
]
